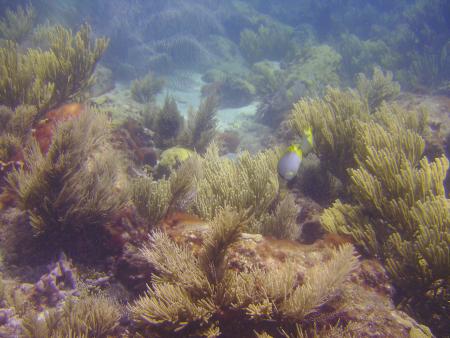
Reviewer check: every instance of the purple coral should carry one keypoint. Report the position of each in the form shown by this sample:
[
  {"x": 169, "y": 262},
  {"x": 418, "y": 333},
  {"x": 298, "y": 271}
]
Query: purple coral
[{"x": 59, "y": 283}]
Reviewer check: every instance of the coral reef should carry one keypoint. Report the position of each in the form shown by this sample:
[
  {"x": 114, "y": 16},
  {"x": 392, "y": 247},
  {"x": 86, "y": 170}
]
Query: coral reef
[
  {"x": 399, "y": 213},
  {"x": 201, "y": 125},
  {"x": 308, "y": 73},
  {"x": 317, "y": 67},
  {"x": 69, "y": 191},
  {"x": 360, "y": 56},
  {"x": 45, "y": 78},
  {"x": 155, "y": 199},
  {"x": 192, "y": 19},
  {"x": 46, "y": 127},
  {"x": 18, "y": 24},
  {"x": 167, "y": 123},
  {"x": 270, "y": 40},
  {"x": 232, "y": 90},
  {"x": 266, "y": 77},
  {"x": 184, "y": 51},
  {"x": 198, "y": 294},
  {"x": 17, "y": 122},
  {"x": 57, "y": 285},
  {"x": 221, "y": 183},
  {"x": 378, "y": 89},
  {"x": 93, "y": 316},
  {"x": 145, "y": 89},
  {"x": 335, "y": 120}
]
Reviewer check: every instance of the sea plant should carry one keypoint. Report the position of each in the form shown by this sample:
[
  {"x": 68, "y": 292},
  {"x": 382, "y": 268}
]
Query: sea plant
[
  {"x": 198, "y": 294},
  {"x": 399, "y": 213},
  {"x": 333, "y": 121},
  {"x": 45, "y": 78},
  {"x": 250, "y": 183},
  {"x": 378, "y": 89},
  {"x": 145, "y": 89},
  {"x": 90, "y": 316},
  {"x": 167, "y": 123},
  {"x": 201, "y": 125},
  {"x": 270, "y": 40},
  {"x": 156, "y": 199},
  {"x": 17, "y": 25},
  {"x": 17, "y": 122},
  {"x": 70, "y": 190},
  {"x": 266, "y": 77},
  {"x": 316, "y": 67}
]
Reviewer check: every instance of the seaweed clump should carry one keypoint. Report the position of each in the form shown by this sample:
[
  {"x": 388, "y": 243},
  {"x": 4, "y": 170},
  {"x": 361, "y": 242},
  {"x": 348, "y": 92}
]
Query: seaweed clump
[
  {"x": 335, "y": 120},
  {"x": 199, "y": 295},
  {"x": 145, "y": 89},
  {"x": 201, "y": 125},
  {"x": 381, "y": 88},
  {"x": 399, "y": 213},
  {"x": 69, "y": 191},
  {"x": 17, "y": 25},
  {"x": 46, "y": 78},
  {"x": 92, "y": 316}
]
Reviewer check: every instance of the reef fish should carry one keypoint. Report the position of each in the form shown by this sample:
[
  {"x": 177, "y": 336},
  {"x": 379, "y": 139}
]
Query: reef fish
[{"x": 291, "y": 160}]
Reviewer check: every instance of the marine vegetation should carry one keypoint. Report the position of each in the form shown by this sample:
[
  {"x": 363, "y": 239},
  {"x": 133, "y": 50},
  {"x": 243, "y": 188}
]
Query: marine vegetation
[
  {"x": 266, "y": 77},
  {"x": 69, "y": 191},
  {"x": 248, "y": 184},
  {"x": 199, "y": 295},
  {"x": 204, "y": 185},
  {"x": 18, "y": 24},
  {"x": 270, "y": 40},
  {"x": 145, "y": 89},
  {"x": 232, "y": 90},
  {"x": 360, "y": 56},
  {"x": 167, "y": 123},
  {"x": 155, "y": 199},
  {"x": 46, "y": 78},
  {"x": 334, "y": 121},
  {"x": 308, "y": 72},
  {"x": 251, "y": 183},
  {"x": 377, "y": 90},
  {"x": 314, "y": 66},
  {"x": 399, "y": 213},
  {"x": 201, "y": 125},
  {"x": 17, "y": 122},
  {"x": 89, "y": 316}
]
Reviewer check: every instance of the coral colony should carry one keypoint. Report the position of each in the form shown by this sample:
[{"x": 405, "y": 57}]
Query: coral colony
[{"x": 224, "y": 169}]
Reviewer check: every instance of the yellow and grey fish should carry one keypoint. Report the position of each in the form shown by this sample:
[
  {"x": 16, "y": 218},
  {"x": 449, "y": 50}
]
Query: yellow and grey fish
[{"x": 291, "y": 160}]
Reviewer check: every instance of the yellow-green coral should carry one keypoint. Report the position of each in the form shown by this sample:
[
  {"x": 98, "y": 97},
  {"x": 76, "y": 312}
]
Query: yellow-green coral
[
  {"x": 156, "y": 199},
  {"x": 70, "y": 188},
  {"x": 400, "y": 214},
  {"x": 145, "y": 89},
  {"x": 378, "y": 89},
  {"x": 17, "y": 122},
  {"x": 250, "y": 183},
  {"x": 172, "y": 157},
  {"x": 333, "y": 123},
  {"x": 45, "y": 78},
  {"x": 16, "y": 25},
  {"x": 195, "y": 294},
  {"x": 201, "y": 125},
  {"x": 92, "y": 316},
  {"x": 335, "y": 120}
]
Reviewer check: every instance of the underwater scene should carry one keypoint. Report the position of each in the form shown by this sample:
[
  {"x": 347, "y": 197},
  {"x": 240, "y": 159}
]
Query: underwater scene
[{"x": 236, "y": 169}]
